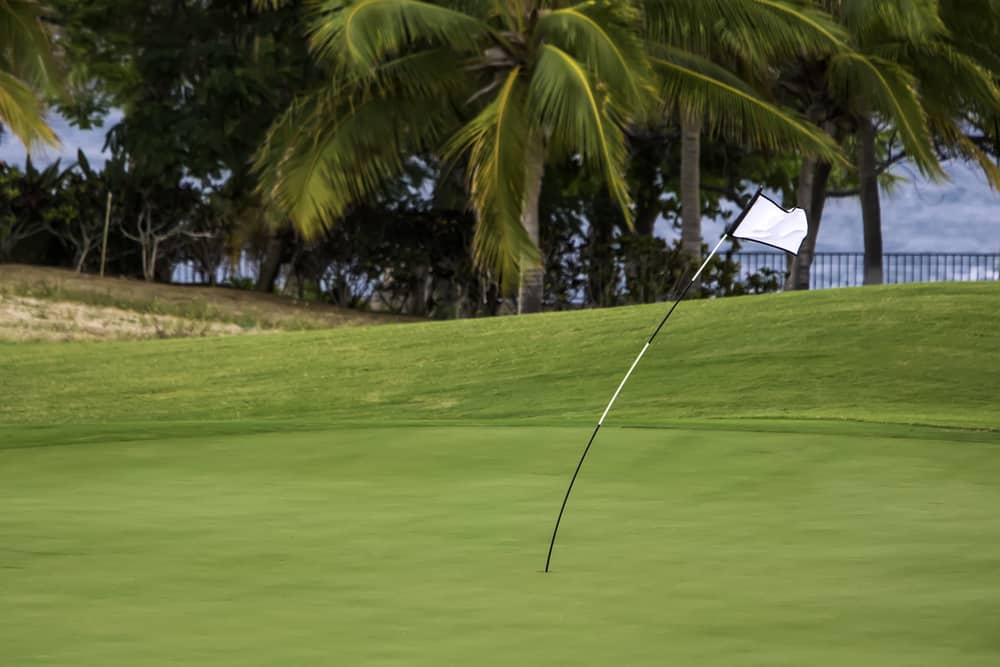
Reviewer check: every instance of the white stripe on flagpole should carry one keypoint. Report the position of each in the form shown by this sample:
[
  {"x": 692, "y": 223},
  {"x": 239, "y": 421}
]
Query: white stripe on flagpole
[
  {"x": 624, "y": 380},
  {"x": 646, "y": 346}
]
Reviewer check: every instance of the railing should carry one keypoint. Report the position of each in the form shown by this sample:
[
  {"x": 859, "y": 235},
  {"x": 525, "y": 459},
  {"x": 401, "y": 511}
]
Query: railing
[
  {"x": 829, "y": 269},
  {"x": 186, "y": 273},
  {"x": 847, "y": 269}
]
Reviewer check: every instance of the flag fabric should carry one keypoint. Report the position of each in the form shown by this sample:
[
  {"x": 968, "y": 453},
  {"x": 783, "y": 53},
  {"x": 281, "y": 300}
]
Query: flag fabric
[{"x": 764, "y": 221}]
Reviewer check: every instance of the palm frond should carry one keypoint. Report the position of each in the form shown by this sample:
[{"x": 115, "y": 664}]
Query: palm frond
[
  {"x": 25, "y": 47},
  {"x": 28, "y": 71},
  {"x": 948, "y": 78},
  {"x": 775, "y": 26},
  {"x": 427, "y": 73},
  {"x": 602, "y": 35},
  {"x": 341, "y": 144},
  {"x": 23, "y": 113},
  {"x": 263, "y": 5},
  {"x": 496, "y": 143},
  {"x": 888, "y": 89},
  {"x": 970, "y": 151},
  {"x": 955, "y": 143},
  {"x": 730, "y": 107},
  {"x": 973, "y": 26},
  {"x": 359, "y": 34},
  {"x": 483, "y": 9},
  {"x": 579, "y": 116},
  {"x": 775, "y": 30},
  {"x": 872, "y": 23}
]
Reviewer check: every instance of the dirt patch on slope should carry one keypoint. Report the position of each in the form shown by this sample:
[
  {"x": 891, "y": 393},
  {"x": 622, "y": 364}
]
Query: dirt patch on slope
[
  {"x": 30, "y": 319},
  {"x": 248, "y": 310}
]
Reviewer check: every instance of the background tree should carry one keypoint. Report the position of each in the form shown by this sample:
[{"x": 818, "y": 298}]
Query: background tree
[
  {"x": 78, "y": 218},
  {"x": 504, "y": 89},
  {"x": 951, "y": 85},
  {"x": 28, "y": 71},
  {"x": 847, "y": 90},
  {"x": 722, "y": 80},
  {"x": 197, "y": 83},
  {"x": 26, "y": 202},
  {"x": 972, "y": 27}
]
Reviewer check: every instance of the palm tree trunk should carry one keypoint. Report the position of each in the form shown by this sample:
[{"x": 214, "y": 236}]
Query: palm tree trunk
[
  {"x": 871, "y": 209},
  {"x": 807, "y": 173},
  {"x": 532, "y": 289},
  {"x": 813, "y": 178},
  {"x": 691, "y": 187},
  {"x": 271, "y": 265},
  {"x": 646, "y": 154}
]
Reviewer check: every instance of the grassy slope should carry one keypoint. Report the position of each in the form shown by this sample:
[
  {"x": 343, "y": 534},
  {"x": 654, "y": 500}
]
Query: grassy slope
[
  {"x": 256, "y": 501},
  {"x": 910, "y": 355}
]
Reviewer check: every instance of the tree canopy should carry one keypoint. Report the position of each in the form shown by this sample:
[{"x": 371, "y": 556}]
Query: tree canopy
[{"x": 543, "y": 145}]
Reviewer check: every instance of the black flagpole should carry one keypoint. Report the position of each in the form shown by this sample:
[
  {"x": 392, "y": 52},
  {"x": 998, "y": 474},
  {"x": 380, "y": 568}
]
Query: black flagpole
[{"x": 635, "y": 363}]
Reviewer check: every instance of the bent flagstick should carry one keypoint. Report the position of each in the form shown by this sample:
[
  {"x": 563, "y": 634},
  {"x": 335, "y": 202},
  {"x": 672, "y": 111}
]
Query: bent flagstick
[{"x": 762, "y": 221}]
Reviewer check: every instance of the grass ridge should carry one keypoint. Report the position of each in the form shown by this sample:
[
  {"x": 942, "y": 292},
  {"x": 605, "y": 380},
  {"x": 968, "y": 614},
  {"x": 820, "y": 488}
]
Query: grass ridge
[{"x": 914, "y": 354}]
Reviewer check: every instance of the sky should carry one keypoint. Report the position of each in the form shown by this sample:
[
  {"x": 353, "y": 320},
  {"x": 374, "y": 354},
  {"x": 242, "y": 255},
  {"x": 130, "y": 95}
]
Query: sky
[{"x": 961, "y": 215}]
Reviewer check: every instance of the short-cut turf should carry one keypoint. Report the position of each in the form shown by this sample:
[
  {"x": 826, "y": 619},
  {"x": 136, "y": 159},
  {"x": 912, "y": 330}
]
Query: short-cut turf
[{"x": 800, "y": 479}]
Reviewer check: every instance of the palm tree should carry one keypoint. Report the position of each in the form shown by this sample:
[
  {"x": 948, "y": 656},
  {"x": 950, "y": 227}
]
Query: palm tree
[
  {"x": 952, "y": 84},
  {"x": 973, "y": 26},
  {"x": 501, "y": 87},
  {"x": 27, "y": 71},
  {"x": 736, "y": 68},
  {"x": 869, "y": 77}
]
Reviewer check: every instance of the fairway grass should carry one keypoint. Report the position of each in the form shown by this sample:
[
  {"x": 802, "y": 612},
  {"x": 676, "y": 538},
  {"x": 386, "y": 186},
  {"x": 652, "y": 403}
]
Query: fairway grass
[{"x": 788, "y": 480}]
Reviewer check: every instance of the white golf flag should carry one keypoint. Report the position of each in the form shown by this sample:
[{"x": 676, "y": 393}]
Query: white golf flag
[{"x": 766, "y": 222}]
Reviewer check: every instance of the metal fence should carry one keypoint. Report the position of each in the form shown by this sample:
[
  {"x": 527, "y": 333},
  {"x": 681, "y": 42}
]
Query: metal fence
[
  {"x": 847, "y": 269},
  {"x": 187, "y": 273},
  {"x": 829, "y": 269}
]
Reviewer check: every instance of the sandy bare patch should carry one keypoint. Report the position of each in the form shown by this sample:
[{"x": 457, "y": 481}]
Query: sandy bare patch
[
  {"x": 30, "y": 319},
  {"x": 247, "y": 307}
]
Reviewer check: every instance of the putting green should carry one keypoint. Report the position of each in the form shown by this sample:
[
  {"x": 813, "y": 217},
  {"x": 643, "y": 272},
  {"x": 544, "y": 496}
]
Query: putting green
[{"x": 699, "y": 544}]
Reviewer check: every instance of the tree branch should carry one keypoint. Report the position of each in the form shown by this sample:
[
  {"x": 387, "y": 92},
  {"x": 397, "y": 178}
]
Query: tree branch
[
  {"x": 727, "y": 192},
  {"x": 888, "y": 162}
]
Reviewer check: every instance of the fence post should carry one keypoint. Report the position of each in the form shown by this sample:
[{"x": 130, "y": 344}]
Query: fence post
[{"x": 104, "y": 242}]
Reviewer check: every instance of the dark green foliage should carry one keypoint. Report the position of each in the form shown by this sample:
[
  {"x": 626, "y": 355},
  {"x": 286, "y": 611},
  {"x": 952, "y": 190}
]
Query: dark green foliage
[
  {"x": 56, "y": 216},
  {"x": 200, "y": 82},
  {"x": 29, "y": 201},
  {"x": 78, "y": 219}
]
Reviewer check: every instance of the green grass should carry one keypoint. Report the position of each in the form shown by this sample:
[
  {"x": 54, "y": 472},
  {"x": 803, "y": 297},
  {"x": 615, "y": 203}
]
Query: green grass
[
  {"x": 789, "y": 480},
  {"x": 911, "y": 355}
]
